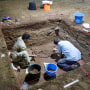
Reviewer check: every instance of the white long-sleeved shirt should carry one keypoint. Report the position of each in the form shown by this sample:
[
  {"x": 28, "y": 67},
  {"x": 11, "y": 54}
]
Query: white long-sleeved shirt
[
  {"x": 19, "y": 51},
  {"x": 19, "y": 45}
]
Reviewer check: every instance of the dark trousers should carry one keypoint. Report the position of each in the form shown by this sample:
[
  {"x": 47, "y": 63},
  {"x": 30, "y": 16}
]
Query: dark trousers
[{"x": 67, "y": 65}]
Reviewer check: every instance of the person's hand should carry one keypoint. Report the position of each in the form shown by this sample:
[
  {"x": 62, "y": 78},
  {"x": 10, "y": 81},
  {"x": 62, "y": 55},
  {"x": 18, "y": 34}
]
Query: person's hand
[
  {"x": 18, "y": 68},
  {"x": 11, "y": 60},
  {"x": 80, "y": 62},
  {"x": 54, "y": 49},
  {"x": 33, "y": 57}
]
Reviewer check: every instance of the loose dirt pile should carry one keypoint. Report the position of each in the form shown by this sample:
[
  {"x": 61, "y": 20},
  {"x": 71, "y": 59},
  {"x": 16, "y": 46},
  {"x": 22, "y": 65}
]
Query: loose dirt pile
[{"x": 34, "y": 71}]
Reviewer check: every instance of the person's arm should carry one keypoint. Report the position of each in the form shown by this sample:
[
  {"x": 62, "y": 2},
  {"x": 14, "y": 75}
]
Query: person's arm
[
  {"x": 14, "y": 48},
  {"x": 24, "y": 55},
  {"x": 33, "y": 55},
  {"x": 57, "y": 51}
]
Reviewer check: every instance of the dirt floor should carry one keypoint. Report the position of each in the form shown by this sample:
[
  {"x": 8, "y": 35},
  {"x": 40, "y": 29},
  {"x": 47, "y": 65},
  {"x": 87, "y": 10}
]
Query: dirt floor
[
  {"x": 7, "y": 77},
  {"x": 41, "y": 27},
  {"x": 41, "y": 42}
]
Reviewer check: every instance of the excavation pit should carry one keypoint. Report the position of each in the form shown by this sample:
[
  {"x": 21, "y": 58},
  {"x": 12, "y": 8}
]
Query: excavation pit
[{"x": 41, "y": 42}]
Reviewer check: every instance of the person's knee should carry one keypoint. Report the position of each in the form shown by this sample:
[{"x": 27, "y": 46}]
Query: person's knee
[{"x": 59, "y": 65}]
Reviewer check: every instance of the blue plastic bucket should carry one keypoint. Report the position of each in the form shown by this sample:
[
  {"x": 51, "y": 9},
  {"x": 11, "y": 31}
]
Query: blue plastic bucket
[
  {"x": 78, "y": 17},
  {"x": 49, "y": 67}
]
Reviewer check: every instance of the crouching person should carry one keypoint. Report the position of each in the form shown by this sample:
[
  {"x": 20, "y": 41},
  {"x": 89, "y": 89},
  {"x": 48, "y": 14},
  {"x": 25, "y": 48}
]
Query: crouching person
[
  {"x": 19, "y": 53},
  {"x": 71, "y": 55}
]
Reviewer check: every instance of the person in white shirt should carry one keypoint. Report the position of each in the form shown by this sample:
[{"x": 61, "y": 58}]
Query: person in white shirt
[
  {"x": 71, "y": 55},
  {"x": 19, "y": 53}
]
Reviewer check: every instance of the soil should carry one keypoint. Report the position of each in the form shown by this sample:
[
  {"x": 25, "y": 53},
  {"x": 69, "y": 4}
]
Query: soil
[
  {"x": 41, "y": 42},
  {"x": 41, "y": 26},
  {"x": 34, "y": 71}
]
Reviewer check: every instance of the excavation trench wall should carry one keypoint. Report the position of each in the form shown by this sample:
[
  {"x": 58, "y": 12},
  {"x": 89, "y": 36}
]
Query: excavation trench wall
[{"x": 44, "y": 32}]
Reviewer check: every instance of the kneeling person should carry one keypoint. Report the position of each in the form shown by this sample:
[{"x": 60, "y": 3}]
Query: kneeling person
[{"x": 71, "y": 55}]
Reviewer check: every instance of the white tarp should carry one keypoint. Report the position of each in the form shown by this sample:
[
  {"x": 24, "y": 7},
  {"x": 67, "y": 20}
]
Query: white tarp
[{"x": 47, "y": 2}]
